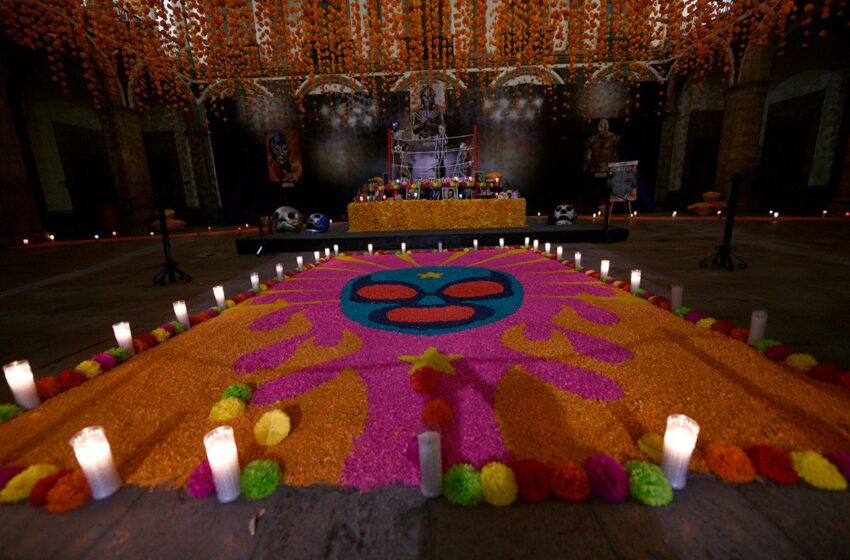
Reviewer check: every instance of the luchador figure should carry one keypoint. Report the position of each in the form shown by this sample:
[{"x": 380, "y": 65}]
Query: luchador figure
[
  {"x": 428, "y": 119},
  {"x": 601, "y": 149}
]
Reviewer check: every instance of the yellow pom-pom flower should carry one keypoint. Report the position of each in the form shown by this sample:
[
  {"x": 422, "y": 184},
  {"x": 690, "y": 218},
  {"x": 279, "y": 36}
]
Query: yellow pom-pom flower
[
  {"x": 89, "y": 368},
  {"x": 815, "y": 469},
  {"x": 227, "y": 409},
  {"x": 498, "y": 484},
  {"x": 272, "y": 427},
  {"x": 651, "y": 444},
  {"x": 230, "y": 303},
  {"x": 160, "y": 334},
  {"x": 706, "y": 322},
  {"x": 19, "y": 488},
  {"x": 801, "y": 362},
  {"x": 263, "y": 287}
]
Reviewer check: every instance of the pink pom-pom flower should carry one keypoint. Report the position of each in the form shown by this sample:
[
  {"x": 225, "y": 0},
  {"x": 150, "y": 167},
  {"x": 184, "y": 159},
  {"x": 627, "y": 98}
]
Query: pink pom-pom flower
[
  {"x": 7, "y": 474},
  {"x": 608, "y": 478},
  {"x": 201, "y": 483},
  {"x": 693, "y": 316},
  {"x": 841, "y": 460},
  {"x": 778, "y": 353},
  {"x": 106, "y": 361}
]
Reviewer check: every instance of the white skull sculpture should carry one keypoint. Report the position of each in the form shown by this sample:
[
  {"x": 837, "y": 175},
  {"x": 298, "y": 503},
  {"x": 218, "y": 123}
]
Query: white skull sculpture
[
  {"x": 288, "y": 218},
  {"x": 565, "y": 215}
]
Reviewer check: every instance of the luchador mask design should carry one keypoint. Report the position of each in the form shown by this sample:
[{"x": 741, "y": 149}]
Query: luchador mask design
[{"x": 431, "y": 300}]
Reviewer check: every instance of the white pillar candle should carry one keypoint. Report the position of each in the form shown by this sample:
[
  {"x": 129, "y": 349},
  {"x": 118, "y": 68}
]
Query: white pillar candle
[
  {"x": 679, "y": 442},
  {"x": 124, "y": 336},
  {"x": 255, "y": 281},
  {"x": 501, "y": 243},
  {"x": 536, "y": 244},
  {"x": 604, "y": 268},
  {"x": 336, "y": 250},
  {"x": 527, "y": 241},
  {"x": 758, "y": 325},
  {"x": 403, "y": 248},
  {"x": 559, "y": 252},
  {"x": 182, "y": 313},
  {"x": 224, "y": 463},
  {"x": 474, "y": 244},
  {"x": 317, "y": 256},
  {"x": 635, "y": 280},
  {"x": 578, "y": 259},
  {"x": 676, "y": 297},
  {"x": 95, "y": 458},
  {"x": 430, "y": 464},
  {"x": 278, "y": 268},
  {"x": 440, "y": 246},
  {"x": 220, "y": 301},
  {"x": 674, "y": 214},
  {"x": 370, "y": 248},
  {"x": 547, "y": 248},
  {"x": 21, "y": 382},
  {"x": 299, "y": 262},
  {"x": 327, "y": 252}
]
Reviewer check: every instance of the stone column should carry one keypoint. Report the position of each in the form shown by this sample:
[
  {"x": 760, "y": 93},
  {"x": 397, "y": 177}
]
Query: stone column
[
  {"x": 203, "y": 166},
  {"x": 665, "y": 156},
  {"x": 19, "y": 214},
  {"x": 743, "y": 111},
  {"x": 128, "y": 161}
]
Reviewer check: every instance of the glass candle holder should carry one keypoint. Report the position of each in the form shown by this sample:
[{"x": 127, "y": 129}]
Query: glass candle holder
[
  {"x": 679, "y": 442},
  {"x": 95, "y": 458},
  {"x": 220, "y": 301},
  {"x": 182, "y": 313},
  {"x": 21, "y": 382},
  {"x": 124, "y": 336},
  {"x": 224, "y": 463}
]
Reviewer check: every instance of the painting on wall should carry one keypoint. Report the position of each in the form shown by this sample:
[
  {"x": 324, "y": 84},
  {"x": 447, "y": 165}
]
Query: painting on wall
[{"x": 283, "y": 153}]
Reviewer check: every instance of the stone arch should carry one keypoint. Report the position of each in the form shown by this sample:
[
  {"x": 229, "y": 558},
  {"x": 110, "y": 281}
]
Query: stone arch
[
  {"x": 534, "y": 75},
  {"x": 330, "y": 83},
  {"x": 231, "y": 88}
]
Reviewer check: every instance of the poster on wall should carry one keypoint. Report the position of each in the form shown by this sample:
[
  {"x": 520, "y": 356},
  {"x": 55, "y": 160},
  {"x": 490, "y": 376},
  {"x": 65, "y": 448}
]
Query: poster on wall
[
  {"x": 622, "y": 180},
  {"x": 283, "y": 153}
]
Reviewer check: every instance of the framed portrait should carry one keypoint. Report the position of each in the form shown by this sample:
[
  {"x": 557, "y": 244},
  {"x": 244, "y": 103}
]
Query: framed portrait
[{"x": 449, "y": 192}]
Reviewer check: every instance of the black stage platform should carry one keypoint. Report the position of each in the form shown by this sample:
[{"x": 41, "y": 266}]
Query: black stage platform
[{"x": 300, "y": 242}]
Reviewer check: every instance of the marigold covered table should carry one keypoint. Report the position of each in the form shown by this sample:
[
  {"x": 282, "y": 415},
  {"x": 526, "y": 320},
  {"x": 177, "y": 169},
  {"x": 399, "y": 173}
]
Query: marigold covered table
[{"x": 393, "y": 215}]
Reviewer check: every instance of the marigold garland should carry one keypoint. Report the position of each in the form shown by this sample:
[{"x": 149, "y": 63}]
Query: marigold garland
[
  {"x": 260, "y": 479},
  {"x": 19, "y": 488},
  {"x": 533, "y": 479},
  {"x": 773, "y": 463},
  {"x": 89, "y": 368},
  {"x": 498, "y": 484},
  {"x": 69, "y": 492},
  {"x": 651, "y": 444},
  {"x": 462, "y": 485},
  {"x": 227, "y": 409},
  {"x": 437, "y": 412},
  {"x": 569, "y": 481},
  {"x": 648, "y": 485},
  {"x": 9, "y": 411},
  {"x": 608, "y": 479},
  {"x": 272, "y": 427},
  {"x": 729, "y": 463},
  {"x": 815, "y": 469}
]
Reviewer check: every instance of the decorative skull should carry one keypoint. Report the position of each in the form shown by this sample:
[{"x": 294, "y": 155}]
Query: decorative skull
[
  {"x": 288, "y": 218},
  {"x": 431, "y": 300},
  {"x": 318, "y": 223},
  {"x": 565, "y": 215}
]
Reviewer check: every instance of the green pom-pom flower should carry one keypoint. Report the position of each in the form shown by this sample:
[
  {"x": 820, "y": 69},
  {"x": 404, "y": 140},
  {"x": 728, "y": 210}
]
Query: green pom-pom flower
[
  {"x": 217, "y": 308},
  {"x": 462, "y": 485},
  {"x": 260, "y": 479},
  {"x": 682, "y": 311},
  {"x": 648, "y": 485},
  {"x": 766, "y": 343},
  {"x": 240, "y": 390},
  {"x": 640, "y": 292},
  {"x": 9, "y": 411},
  {"x": 177, "y": 326},
  {"x": 119, "y": 354}
]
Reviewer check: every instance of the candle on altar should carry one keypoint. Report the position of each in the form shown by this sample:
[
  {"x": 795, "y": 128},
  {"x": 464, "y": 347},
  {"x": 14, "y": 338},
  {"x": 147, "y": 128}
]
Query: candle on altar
[
  {"x": 527, "y": 241},
  {"x": 95, "y": 458},
  {"x": 501, "y": 243},
  {"x": 278, "y": 268},
  {"x": 370, "y": 248},
  {"x": 299, "y": 262},
  {"x": 403, "y": 248},
  {"x": 327, "y": 252},
  {"x": 536, "y": 244},
  {"x": 635, "y": 280},
  {"x": 255, "y": 281},
  {"x": 440, "y": 246},
  {"x": 224, "y": 463},
  {"x": 336, "y": 250},
  {"x": 674, "y": 214},
  {"x": 430, "y": 464},
  {"x": 758, "y": 325},
  {"x": 676, "y": 293},
  {"x": 182, "y": 313},
  {"x": 474, "y": 244},
  {"x": 604, "y": 268},
  {"x": 220, "y": 301},
  {"x": 679, "y": 442},
  {"x": 21, "y": 382},
  {"x": 578, "y": 259},
  {"x": 547, "y": 248},
  {"x": 124, "y": 336},
  {"x": 317, "y": 256},
  {"x": 559, "y": 252}
]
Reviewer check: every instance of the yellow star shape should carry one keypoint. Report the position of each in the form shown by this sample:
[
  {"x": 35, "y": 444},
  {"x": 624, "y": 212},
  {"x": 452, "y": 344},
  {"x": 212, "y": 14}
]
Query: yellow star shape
[
  {"x": 434, "y": 359},
  {"x": 430, "y": 275}
]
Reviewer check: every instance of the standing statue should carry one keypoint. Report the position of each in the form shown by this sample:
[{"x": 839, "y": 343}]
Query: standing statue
[
  {"x": 463, "y": 163},
  {"x": 428, "y": 119},
  {"x": 440, "y": 145},
  {"x": 404, "y": 169},
  {"x": 601, "y": 149}
]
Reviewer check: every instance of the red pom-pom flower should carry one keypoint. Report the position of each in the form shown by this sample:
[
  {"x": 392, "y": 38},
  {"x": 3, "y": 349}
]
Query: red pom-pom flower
[
  {"x": 773, "y": 463},
  {"x": 569, "y": 481},
  {"x": 533, "y": 480}
]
